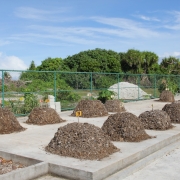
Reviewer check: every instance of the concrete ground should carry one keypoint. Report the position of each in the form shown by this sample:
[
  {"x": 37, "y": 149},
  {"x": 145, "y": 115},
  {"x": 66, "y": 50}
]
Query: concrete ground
[
  {"x": 164, "y": 168},
  {"x": 31, "y": 143}
]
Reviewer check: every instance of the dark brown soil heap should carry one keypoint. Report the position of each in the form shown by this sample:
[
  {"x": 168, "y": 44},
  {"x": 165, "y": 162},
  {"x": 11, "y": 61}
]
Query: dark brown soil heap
[
  {"x": 114, "y": 106},
  {"x": 157, "y": 120},
  {"x": 173, "y": 110},
  {"x": 8, "y": 122},
  {"x": 91, "y": 108},
  {"x": 124, "y": 126},
  {"x": 82, "y": 141},
  {"x": 44, "y": 115},
  {"x": 166, "y": 96}
]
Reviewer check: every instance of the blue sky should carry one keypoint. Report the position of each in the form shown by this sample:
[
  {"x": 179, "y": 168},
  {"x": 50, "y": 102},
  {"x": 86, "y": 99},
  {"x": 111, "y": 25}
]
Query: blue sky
[{"x": 38, "y": 29}]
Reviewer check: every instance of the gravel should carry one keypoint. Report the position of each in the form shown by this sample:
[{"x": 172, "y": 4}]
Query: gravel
[
  {"x": 8, "y": 122},
  {"x": 90, "y": 108},
  {"x": 167, "y": 96},
  {"x": 82, "y": 141},
  {"x": 156, "y": 120},
  {"x": 127, "y": 91},
  {"x": 43, "y": 116},
  {"x": 114, "y": 106},
  {"x": 126, "y": 127},
  {"x": 173, "y": 110}
]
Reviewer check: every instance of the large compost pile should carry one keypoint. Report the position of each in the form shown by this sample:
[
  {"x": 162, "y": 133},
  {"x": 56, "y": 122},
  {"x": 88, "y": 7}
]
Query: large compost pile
[
  {"x": 82, "y": 141},
  {"x": 114, "y": 106},
  {"x": 43, "y": 115},
  {"x": 173, "y": 110},
  {"x": 125, "y": 126},
  {"x": 156, "y": 120},
  {"x": 8, "y": 122},
  {"x": 90, "y": 108},
  {"x": 167, "y": 96}
]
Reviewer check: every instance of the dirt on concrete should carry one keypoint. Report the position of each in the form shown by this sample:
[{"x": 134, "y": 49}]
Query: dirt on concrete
[
  {"x": 126, "y": 127},
  {"x": 43, "y": 116},
  {"x": 82, "y": 141},
  {"x": 9, "y": 165},
  {"x": 8, "y": 122},
  {"x": 166, "y": 96},
  {"x": 156, "y": 120},
  {"x": 173, "y": 110},
  {"x": 114, "y": 106},
  {"x": 90, "y": 108}
]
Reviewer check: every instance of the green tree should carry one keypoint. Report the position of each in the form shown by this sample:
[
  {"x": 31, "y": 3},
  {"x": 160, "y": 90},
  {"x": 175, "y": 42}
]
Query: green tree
[
  {"x": 97, "y": 60},
  {"x": 32, "y": 66},
  {"x": 137, "y": 62},
  {"x": 170, "y": 65}
]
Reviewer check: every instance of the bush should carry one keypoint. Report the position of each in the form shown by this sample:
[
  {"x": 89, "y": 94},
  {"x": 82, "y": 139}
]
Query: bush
[{"x": 105, "y": 95}]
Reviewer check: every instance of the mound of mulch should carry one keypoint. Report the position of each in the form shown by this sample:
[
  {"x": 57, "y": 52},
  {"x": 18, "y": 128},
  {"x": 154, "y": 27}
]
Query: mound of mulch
[
  {"x": 8, "y": 122},
  {"x": 114, "y": 106},
  {"x": 91, "y": 108},
  {"x": 166, "y": 96},
  {"x": 156, "y": 120},
  {"x": 126, "y": 127},
  {"x": 173, "y": 110},
  {"x": 82, "y": 141},
  {"x": 44, "y": 115}
]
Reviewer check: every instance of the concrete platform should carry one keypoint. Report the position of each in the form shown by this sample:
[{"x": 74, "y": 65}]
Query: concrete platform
[{"x": 31, "y": 143}]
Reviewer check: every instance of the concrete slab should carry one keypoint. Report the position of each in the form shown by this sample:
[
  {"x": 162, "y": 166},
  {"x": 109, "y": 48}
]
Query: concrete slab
[
  {"x": 31, "y": 143},
  {"x": 34, "y": 168}
]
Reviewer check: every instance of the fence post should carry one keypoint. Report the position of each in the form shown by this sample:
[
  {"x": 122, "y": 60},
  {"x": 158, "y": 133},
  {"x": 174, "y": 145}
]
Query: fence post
[
  {"x": 118, "y": 85},
  {"x": 138, "y": 84},
  {"x": 2, "y": 88},
  {"x": 55, "y": 86},
  {"x": 91, "y": 85},
  {"x": 155, "y": 85}
]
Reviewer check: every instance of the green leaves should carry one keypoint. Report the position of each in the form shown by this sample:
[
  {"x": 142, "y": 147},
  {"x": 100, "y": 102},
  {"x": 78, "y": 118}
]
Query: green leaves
[{"x": 105, "y": 95}]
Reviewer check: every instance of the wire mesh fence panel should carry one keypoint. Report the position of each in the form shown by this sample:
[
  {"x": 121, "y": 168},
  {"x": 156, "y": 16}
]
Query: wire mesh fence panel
[
  {"x": 168, "y": 82},
  {"x": 147, "y": 84},
  {"x": 72, "y": 87},
  {"x": 21, "y": 91}
]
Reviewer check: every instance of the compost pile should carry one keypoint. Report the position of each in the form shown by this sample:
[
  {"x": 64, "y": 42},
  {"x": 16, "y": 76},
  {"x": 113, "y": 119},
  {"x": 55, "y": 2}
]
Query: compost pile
[
  {"x": 91, "y": 108},
  {"x": 8, "y": 166},
  {"x": 43, "y": 115},
  {"x": 173, "y": 110},
  {"x": 82, "y": 141},
  {"x": 125, "y": 126},
  {"x": 114, "y": 106},
  {"x": 8, "y": 122},
  {"x": 157, "y": 120},
  {"x": 167, "y": 96}
]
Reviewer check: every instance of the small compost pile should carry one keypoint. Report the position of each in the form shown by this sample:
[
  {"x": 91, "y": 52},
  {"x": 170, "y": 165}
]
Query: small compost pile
[
  {"x": 167, "y": 96},
  {"x": 90, "y": 108},
  {"x": 82, "y": 141},
  {"x": 8, "y": 122},
  {"x": 156, "y": 120},
  {"x": 173, "y": 110},
  {"x": 114, "y": 106},
  {"x": 126, "y": 127},
  {"x": 44, "y": 115},
  {"x": 8, "y": 166}
]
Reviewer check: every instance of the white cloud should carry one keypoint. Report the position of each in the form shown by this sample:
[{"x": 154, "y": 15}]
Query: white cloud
[
  {"x": 146, "y": 18},
  {"x": 11, "y": 63},
  {"x": 174, "y": 54},
  {"x": 45, "y": 15}
]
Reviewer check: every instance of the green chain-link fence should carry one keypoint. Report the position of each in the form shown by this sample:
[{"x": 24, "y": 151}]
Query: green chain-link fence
[{"x": 23, "y": 90}]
